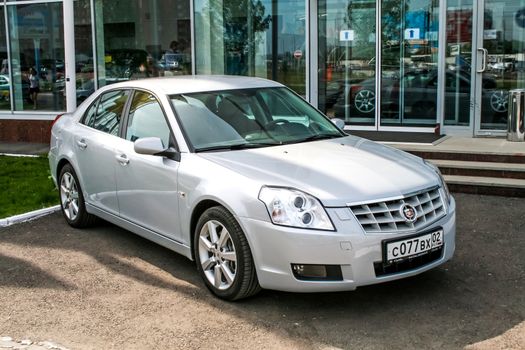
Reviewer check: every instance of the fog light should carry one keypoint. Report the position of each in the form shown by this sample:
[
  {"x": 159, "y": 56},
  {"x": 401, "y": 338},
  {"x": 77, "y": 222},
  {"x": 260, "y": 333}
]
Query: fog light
[{"x": 310, "y": 272}]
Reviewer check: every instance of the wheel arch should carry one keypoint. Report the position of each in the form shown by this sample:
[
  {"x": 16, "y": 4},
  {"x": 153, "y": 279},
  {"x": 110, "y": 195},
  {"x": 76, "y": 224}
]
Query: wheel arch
[
  {"x": 198, "y": 210},
  {"x": 61, "y": 163}
]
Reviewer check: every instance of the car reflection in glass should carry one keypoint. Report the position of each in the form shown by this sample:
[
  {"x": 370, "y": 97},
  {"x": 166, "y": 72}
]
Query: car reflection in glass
[{"x": 419, "y": 90}]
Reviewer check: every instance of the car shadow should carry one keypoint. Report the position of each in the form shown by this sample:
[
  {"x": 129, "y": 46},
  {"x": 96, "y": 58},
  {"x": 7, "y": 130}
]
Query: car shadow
[
  {"x": 475, "y": 296},
  {"x": 15, "y": 272}
]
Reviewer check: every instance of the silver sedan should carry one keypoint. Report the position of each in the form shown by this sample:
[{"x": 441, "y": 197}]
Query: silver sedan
[{"x": 247, "y": 179}]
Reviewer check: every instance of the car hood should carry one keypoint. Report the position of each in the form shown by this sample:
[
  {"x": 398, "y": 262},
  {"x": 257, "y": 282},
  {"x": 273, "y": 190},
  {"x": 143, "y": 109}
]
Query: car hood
[{"x": 339, "y": 171}]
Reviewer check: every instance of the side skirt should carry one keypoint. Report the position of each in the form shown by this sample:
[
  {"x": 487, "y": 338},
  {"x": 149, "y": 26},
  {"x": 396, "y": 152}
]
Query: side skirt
[{"x": 141, "y": 231}]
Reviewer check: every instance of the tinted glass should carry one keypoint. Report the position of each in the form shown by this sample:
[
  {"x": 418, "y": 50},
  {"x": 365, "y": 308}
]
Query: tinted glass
[
  {"x": 146, "y": 119},
  {"x": 139, "y": 39},
  {"x": 5, "y": 93},
  {"x": 347, "y": 44},
  {"x": 409, "y": 55},
  {"x": 504, "y": 40},
  {"x": 36, "y": 39},
  {"x": 262, "y": 38},
  {"x": 89, "y": 116},
  {"x": 84, "y": 64},
  {"x": 250, "y": 118},
  {"x": 109, "y": 111}
]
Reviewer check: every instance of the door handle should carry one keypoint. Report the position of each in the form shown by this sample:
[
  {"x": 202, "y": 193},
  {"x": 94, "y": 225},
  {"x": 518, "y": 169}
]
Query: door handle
[
  {"x": 484, "y": 60},
  {"x": 122, "y": 159},
  {"x": 82, "y": 144}
]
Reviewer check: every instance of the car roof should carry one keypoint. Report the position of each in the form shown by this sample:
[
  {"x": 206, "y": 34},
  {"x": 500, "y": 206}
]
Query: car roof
[{"x": 196, "y": 83}]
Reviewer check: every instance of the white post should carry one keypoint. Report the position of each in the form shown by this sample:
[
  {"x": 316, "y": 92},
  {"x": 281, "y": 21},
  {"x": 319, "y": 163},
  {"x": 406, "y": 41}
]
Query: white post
[{"x": 69, "y": 56}]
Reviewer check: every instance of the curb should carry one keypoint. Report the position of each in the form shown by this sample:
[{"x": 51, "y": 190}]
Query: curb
[
  {"x": 28, "y": 216},
  {"x": 19, "y": 155}
]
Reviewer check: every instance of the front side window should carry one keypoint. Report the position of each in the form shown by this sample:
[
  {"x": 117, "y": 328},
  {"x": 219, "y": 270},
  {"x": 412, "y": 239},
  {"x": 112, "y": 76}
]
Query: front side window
[
  {"x": 105, "y": 114},
  {"x": 146, "y": 119},
  {"x": 249, "y": 118}
]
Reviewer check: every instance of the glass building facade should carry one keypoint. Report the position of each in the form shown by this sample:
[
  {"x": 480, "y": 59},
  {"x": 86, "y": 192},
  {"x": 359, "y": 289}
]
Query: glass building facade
[{"x": 400, "y": 65}]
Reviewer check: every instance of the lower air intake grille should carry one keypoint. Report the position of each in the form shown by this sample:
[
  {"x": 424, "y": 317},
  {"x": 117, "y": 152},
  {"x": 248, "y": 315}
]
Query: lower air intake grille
[{"x": 382, "y": 269}]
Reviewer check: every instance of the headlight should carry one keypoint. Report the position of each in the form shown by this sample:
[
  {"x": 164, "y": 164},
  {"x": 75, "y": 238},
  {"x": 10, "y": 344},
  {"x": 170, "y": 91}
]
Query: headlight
[
  {"x": 442, "y": 182},
  {"x": 289, "y": 207}
]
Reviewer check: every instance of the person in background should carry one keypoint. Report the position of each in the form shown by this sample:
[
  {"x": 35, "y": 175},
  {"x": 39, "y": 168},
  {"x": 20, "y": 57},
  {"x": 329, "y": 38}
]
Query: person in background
[{"x": 34, "y": 87}]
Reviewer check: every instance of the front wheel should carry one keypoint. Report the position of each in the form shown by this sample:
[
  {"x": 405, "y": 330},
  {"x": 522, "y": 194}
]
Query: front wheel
[
  {"x": 72, "y": 200},
  {"x": 223, "y": 256}
]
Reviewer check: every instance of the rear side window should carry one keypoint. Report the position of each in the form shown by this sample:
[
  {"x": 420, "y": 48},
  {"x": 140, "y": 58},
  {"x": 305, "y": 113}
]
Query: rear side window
[
  {"x": 146, "y": 119},
  {"x": 105, "y": 114}
]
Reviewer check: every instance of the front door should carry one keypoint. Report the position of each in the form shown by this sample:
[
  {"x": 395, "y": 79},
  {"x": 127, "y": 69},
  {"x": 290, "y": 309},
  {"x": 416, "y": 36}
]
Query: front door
[
  {"x": 147, "y": 184},
  {"x": 500, "y": 62}
]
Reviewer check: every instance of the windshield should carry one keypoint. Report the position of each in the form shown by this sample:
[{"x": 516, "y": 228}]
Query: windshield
[{"x": 248, "y": 118}]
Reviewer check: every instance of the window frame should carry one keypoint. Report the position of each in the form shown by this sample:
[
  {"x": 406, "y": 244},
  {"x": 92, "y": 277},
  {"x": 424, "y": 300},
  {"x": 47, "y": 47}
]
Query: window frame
[
  {"x": 95, "y": 104},
  {"x": 125, "y": 119}
]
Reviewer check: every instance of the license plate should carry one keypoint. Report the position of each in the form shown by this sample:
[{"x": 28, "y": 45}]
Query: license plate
[{"x": 414, "y": 246}]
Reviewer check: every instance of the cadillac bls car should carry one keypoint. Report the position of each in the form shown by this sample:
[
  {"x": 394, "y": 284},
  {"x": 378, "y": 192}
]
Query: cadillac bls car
[{"x": 256, "y": 186}]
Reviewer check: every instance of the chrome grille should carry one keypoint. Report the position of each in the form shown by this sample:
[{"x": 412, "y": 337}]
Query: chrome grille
[{"x": 387, "y": 217}]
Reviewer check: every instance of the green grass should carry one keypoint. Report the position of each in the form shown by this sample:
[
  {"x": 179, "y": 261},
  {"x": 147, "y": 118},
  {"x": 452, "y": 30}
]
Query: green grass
[{"x": 25, "y": 185}]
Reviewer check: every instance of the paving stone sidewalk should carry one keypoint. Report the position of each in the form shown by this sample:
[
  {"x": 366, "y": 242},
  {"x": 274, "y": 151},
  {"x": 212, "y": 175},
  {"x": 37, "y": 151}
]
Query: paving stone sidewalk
[{"x": 27, "y": 344}]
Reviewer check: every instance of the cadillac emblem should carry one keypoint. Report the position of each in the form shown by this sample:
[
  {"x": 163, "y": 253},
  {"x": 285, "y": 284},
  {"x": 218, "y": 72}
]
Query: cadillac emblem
[{"x": 408, "y": 213}]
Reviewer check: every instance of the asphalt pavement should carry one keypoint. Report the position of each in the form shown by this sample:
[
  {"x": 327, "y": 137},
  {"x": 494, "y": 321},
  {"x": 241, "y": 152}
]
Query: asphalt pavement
[{"x": 107, "y": 288}]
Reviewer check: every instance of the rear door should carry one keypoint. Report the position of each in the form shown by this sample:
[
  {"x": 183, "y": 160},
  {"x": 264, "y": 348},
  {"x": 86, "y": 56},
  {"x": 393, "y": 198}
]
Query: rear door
[
  {"x": 147, "y": 184},
  {"x": 95, "y": 144}
]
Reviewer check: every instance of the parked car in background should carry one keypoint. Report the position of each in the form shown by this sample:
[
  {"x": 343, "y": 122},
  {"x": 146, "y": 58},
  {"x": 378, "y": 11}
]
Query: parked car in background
[{"x": 250, "y": 181}]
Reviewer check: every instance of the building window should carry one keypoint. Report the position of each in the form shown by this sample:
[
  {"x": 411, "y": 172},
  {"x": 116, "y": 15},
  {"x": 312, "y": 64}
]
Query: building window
[
  {"x": 5, "y": 80},
  {"x": 36, "y": 39},
  {"x": 84, "y": 63},
  {"x": 141, "y": 39},
  {"x": 261, "y": 38}
]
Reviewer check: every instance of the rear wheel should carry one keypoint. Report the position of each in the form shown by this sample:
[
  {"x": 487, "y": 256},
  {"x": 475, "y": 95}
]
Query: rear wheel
[
  {"x": 223, "y": 256},
  {"x": 72, "y": 199}
]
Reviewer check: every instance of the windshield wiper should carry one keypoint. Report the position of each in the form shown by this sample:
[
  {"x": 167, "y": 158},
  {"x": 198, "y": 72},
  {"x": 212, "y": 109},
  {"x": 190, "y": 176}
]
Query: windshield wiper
[
  {"x": 317, "y": 137},
  {"x": 238, "y": 146}
]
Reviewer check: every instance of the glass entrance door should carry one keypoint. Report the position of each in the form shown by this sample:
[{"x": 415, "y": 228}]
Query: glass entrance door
[
  {"x": 409, "y": 69},
  {"x": 379, "y": 77},
  {"x": 500, "y": 61}
]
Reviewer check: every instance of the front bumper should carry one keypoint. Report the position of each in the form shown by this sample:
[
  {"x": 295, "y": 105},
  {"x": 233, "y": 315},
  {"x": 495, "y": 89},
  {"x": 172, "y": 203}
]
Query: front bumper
[{"x": 275, "y": 248}]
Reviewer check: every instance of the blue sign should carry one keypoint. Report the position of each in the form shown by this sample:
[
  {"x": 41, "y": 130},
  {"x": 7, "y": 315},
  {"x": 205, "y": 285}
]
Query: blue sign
[{"x": 412, "y": 34}]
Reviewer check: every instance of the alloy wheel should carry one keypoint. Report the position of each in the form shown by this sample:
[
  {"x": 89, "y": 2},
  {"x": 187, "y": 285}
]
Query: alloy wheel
[
  {"x": 499, "y": 101},
  {"x": 217, "y": 255},
  {"x": 69, "y": 196},
  {"x": 364, "y": 101}
]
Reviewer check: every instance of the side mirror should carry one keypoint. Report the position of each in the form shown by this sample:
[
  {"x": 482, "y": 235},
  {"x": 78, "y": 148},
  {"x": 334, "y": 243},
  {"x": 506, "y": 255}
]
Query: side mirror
[
  {"x": 153, "y": 146},
  {"x": 340, "y": 123},
  {"x": 148, "y": 145}
]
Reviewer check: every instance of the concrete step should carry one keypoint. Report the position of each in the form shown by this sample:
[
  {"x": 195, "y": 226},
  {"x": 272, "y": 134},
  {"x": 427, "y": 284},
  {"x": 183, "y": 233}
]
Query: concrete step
[
  {"x": 480, "y": 169},
  {"x": 486, "y": 185},
  {"x": 518, "y": 157}
]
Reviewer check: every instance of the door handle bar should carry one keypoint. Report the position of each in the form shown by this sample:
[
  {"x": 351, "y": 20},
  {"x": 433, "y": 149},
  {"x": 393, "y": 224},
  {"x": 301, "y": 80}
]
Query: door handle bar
[
  {"x": 483, "y": 60},
  {"x": 122, "y": 159},
  {"x": 82, "y": 144}
]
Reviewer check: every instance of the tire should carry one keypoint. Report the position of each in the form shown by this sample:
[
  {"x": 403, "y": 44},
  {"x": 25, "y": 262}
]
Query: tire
[
  {"x": 223, "y": 256},
  {"x": 72, "y": 200}
]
